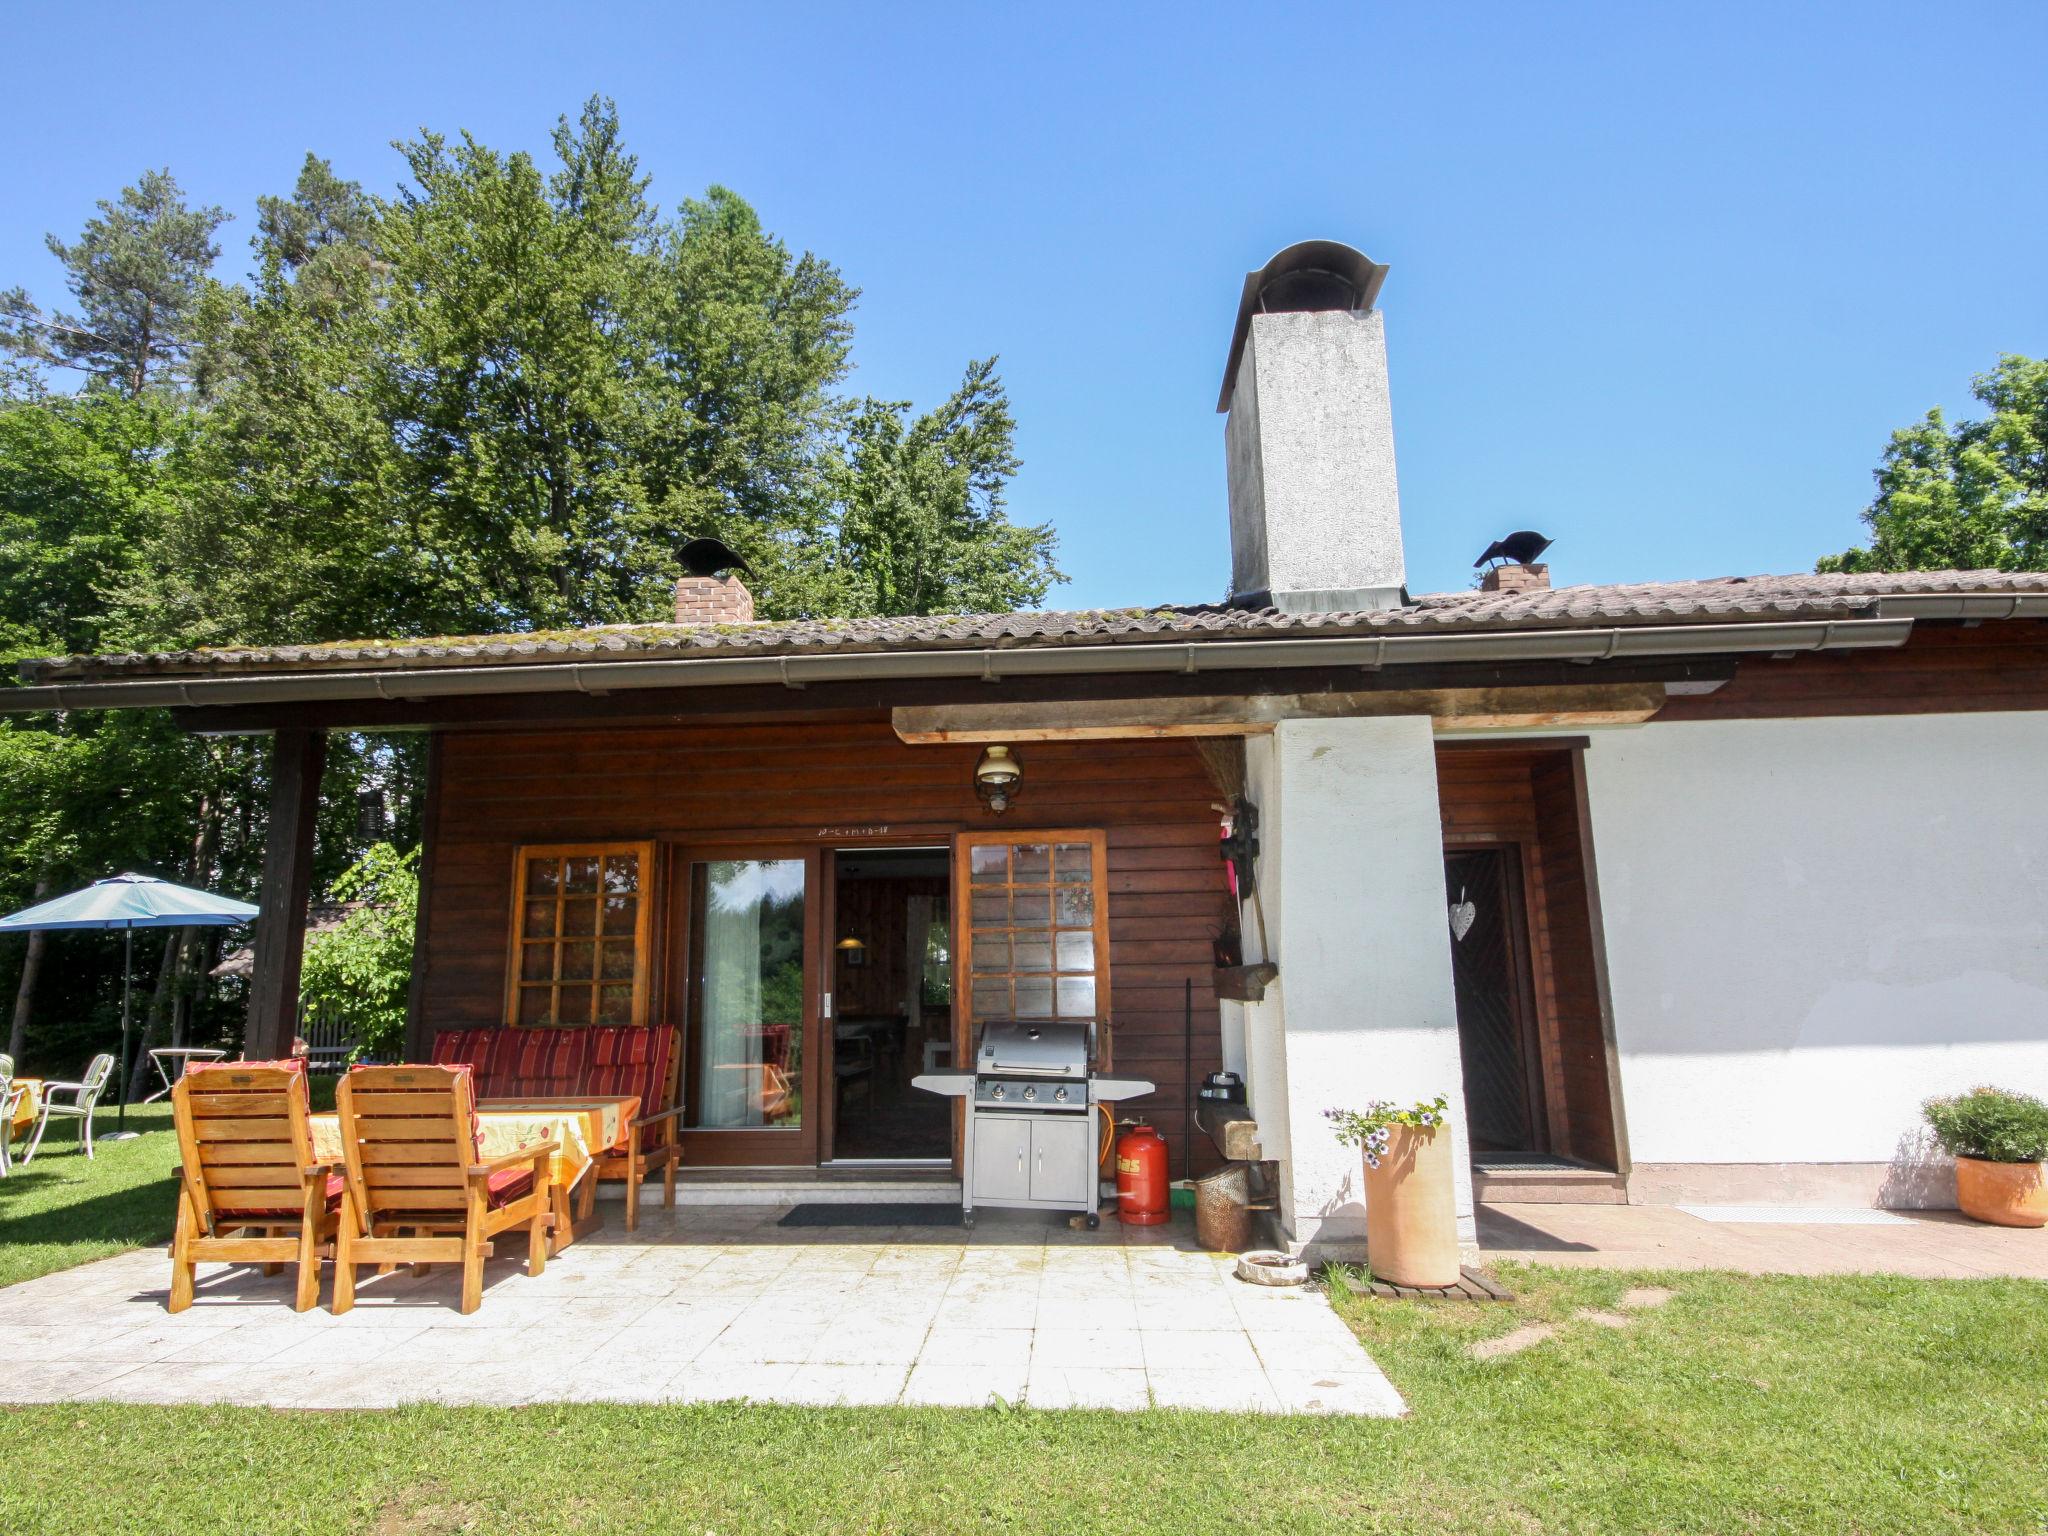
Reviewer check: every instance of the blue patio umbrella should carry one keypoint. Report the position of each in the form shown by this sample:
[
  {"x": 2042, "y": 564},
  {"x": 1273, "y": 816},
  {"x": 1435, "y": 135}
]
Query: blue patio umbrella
[{"x": 129, "y": 902}]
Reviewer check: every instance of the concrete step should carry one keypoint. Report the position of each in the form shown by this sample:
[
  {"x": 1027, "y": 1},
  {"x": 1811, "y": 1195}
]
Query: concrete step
[
  {"x": 786, "y": 1186},
  {"x": 1558, "y": 1185}
]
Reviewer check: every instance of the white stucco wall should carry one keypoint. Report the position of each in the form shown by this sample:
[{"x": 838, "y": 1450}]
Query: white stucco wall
[
  {"x": 1352, "y": 878},
  {"x": 1813, "y": 925}
]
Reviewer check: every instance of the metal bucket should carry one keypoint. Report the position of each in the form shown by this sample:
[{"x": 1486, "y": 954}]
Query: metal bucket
[{"x": 1223, "y": 1217}]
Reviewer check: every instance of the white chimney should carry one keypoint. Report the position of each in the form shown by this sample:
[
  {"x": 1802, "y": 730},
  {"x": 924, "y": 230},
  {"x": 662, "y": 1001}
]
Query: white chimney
[{"x": 1315, "y": 511}]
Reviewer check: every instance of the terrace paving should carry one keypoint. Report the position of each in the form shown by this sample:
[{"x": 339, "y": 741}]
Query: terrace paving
[{"x": 709, "y": 1303}]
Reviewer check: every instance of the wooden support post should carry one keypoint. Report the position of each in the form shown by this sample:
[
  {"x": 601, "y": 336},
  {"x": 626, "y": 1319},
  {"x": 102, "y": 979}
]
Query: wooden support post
[
  {"x": 419, "y": 1031},
  {"x": 297, "y": 758}
]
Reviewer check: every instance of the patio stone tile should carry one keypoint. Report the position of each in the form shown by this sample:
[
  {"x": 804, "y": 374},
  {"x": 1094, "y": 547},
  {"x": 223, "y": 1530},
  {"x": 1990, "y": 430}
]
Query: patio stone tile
[
  {"x": 1100, "y": 1347},
  {"x": 1214, "y": 1391},
  {"x": 825, "y": 1384},
  {"x": 1365, "y": 1393},
  {"x": 977, "y": 1346},
  {"x": 251, "y": 1343},
  {"x": 965, "y": 1386},
  {"x": 1193, "y": 1313},
  {"x": 1097, "y": 1312},
  {"x": 789, "y": 1344},
  {"x": 622, "y": 1381},
  {"x": 346, "y": 1346},
  {"x": 55, "y": 1381},
  {"x": 1085, "y": 1386},
  {"x": 698, "y": 1383},
  {"x": 1213, "y": 1351},
  {"x": 991, "y": 1311},
  {"x": 1295, "y": 1309},
  {"x": 863, "y": 1344},
  {"x": 676, "y": 1342},
  {"x": 434, "y": 1347},
  {"x": 1299, "y": 1349}
]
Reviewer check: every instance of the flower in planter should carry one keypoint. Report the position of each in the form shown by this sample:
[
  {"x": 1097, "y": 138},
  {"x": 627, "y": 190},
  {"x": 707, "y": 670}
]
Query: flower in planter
[{"x": 1371, "y": 1129}]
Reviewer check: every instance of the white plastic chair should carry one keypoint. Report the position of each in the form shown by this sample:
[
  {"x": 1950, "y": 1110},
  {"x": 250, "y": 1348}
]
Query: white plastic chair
[
  {"x": 10, "y": 1095},
  {"x": 84, "y": 1097}
]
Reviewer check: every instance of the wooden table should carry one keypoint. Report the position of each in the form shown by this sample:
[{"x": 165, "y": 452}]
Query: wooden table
[{"x": 583, "y": 1128}]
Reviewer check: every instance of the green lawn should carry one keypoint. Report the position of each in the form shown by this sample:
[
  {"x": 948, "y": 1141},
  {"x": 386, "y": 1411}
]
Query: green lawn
[
  {"x": 62, "y": 1210},
  {"x": 1864, "y": 1405}
]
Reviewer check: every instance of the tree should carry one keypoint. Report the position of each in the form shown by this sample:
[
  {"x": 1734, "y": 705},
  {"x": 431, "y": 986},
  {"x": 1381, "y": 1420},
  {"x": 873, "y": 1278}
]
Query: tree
[
  {"x": 1972, "y": 496},
  {"x": 921, "y": 525},
  {"x": 359, "y": 971},
  {"x": 137, "y": 273}
]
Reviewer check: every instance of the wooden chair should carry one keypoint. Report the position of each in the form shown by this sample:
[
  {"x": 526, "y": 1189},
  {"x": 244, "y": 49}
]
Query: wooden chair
[
  {"x": 417, "y": 1189},
  {"x": 249, "y": 1190}
]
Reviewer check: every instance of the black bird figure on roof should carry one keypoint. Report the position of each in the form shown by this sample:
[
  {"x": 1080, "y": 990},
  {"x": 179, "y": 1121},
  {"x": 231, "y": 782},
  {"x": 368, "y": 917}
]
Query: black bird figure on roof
[
  {"x": 1522, "y": 548},
  {"x": 712, "y": 557}
]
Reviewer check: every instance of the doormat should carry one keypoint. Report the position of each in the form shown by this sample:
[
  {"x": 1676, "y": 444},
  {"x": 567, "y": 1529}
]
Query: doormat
[
  {"x": 899, "y": 1213},
  {"x": 1796, "y": 1215}
]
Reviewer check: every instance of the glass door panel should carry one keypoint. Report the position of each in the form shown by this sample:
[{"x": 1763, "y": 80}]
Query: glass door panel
[{"x": 748, "y": 944}]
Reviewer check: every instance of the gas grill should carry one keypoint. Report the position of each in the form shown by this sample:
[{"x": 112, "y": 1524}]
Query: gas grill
[{"x": 1031, "y": 1131}]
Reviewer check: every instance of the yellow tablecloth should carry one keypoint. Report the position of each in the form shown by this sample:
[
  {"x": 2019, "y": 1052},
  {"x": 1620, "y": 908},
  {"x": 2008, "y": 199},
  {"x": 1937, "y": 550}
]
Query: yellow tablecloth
[
  {"x": 31, "y": 1101},
  {"x": 584, "y": 1128}
]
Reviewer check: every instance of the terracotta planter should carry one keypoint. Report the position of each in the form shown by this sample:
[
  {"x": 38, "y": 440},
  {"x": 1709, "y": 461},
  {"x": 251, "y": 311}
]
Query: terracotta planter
[
  {"x": 1411, "y": 1210},
  {"x": 2004, "y": 1194}
]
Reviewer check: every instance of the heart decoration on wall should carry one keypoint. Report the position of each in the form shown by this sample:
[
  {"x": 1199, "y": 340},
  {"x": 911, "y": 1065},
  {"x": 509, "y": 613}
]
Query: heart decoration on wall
[{"x": 1463, "y": 915}]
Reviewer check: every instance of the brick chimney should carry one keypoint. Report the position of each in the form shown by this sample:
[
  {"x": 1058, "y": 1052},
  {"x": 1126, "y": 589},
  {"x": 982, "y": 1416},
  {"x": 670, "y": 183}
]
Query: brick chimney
[
  {"x": 713, "y": 600},
  {"x": 1516, "y": 578}
]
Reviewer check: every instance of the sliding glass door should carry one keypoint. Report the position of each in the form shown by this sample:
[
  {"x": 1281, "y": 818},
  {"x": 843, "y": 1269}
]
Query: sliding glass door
[{"x": 751, "y": 1007}]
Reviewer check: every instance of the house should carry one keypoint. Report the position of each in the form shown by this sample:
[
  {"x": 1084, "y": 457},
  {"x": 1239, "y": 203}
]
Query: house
[{"x": 1682, "y": 892}]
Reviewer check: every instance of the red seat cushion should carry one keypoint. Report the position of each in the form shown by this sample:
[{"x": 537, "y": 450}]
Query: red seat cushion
[
  {"x": 513, "y": 1063},
  {"x": 509, "y": 1184},
  {"x": 633, "y": 1060}
]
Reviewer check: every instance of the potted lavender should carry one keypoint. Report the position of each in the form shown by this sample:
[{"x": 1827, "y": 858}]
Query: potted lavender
[{"x": 1411, "y": 1213}]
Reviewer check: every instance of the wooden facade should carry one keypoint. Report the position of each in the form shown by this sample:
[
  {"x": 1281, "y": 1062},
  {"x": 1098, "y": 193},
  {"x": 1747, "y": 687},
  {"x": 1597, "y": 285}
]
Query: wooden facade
[{"x": 827, "y": 782}]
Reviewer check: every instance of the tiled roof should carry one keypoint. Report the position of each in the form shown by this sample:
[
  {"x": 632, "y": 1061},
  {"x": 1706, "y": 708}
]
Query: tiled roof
[{"x": 1728, "y": 599}]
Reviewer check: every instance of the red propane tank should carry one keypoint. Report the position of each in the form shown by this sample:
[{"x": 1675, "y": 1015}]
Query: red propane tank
[{"x": 1141, "y": 1193}]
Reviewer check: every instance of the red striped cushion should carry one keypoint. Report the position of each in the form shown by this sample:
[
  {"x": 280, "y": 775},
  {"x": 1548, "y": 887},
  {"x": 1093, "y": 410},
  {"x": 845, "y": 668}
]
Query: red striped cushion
[{"x": 625, "y": 1059}]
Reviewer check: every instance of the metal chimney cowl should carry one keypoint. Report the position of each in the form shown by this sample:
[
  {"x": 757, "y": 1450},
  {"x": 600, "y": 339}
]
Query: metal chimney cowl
[{"x": 1315, "y": 505}]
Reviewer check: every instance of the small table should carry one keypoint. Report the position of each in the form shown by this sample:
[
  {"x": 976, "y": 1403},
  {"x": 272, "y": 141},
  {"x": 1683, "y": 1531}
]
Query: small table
[
  {"x": 583, "y": 1130},
  {"x": 184, "y": 1056}
]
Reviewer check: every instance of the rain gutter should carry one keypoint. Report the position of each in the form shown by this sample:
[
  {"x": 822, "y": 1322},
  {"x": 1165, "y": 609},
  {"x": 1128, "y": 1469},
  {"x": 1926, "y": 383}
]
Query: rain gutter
[
  {"x": 1965, "y": 605},
  {"x": 991, "y": 664}
]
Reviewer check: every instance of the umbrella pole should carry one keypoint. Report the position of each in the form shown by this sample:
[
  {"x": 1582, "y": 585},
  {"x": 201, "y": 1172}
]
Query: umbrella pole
[{"x": 127, "y": 984}]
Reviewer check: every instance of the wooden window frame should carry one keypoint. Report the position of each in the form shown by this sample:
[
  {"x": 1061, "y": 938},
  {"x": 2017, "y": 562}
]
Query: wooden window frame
[
  {"x": 964, "y": 845},
  {"x": 643, "y": 925}
]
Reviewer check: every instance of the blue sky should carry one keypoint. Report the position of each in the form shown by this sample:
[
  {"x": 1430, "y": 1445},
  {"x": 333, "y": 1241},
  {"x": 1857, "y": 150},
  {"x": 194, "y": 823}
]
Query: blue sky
[{"x": 1663, "y": 280}]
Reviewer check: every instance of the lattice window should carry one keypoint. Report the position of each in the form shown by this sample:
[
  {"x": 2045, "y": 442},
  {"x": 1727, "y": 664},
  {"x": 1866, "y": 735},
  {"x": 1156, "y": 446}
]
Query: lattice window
[
  {"x": 581, "y": 919},
  {"x": 1036, "y": 928}
]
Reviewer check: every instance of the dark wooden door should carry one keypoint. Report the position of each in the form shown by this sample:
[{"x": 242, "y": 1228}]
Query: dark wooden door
[{"x": 1489, "y": 967}]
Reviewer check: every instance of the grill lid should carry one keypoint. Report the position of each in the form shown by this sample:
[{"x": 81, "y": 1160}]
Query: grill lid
[{"x": 1033, "y": 1048}]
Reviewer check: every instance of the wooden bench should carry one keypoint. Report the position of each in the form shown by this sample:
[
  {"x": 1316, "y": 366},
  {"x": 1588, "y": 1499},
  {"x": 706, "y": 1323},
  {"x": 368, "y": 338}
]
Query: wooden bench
[{"x": 511, "y": 1062}]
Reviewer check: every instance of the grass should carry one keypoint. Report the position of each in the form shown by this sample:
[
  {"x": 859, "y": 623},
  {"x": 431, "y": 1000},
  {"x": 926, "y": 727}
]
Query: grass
[
  {"x": 63, "y": 1210},
  {"x": 1848, "y": 1404}
]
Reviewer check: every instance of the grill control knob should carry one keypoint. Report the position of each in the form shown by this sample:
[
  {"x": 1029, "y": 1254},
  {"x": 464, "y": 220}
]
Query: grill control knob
[
  {"x": 1059, "y": 1095},
  {"x": 1030, "y": 1094},
  {"x": 999, "y": 1092}
]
